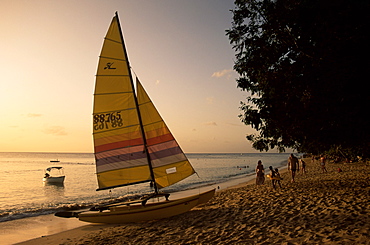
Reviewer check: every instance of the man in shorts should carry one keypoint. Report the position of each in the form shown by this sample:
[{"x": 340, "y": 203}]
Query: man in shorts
[{"x": 293, "y": 165}]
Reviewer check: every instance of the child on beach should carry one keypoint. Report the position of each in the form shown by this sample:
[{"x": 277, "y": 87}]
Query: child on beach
[
  {"x": 303, "y": 165},
  {"x": 278, "y": 177},
  {"x": 272, "y": 177},
  {"x": 323, "y": 160}
]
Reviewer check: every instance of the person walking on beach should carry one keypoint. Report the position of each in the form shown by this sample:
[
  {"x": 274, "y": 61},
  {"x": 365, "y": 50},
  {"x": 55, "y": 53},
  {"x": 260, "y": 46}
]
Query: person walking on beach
[
  {"x": 278, "y": 177},
  {"x": 323, "y": 161},
  {"x": 303, "y": 165},
  {"x": 272, "y": 177},
  {"x": 260, "y": 173},
  {"x": 293, "y": 165}
]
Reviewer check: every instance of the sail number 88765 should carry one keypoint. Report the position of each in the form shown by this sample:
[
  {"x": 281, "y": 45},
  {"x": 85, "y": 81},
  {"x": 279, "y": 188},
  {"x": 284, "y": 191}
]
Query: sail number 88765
[{"x": 108, "y": 120}]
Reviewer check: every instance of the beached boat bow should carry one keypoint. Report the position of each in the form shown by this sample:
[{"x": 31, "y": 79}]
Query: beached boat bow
[{"x": 127, "y": 213}]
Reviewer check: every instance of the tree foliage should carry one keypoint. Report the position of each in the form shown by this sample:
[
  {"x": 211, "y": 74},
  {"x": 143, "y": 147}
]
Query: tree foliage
[{"x": 305, "y": 64}]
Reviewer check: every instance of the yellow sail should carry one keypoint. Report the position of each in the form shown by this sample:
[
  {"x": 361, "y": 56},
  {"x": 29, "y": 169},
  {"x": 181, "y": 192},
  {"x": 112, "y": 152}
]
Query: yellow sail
[
  {"x": 123, "y": 123},
  {"x": 170, "y": 165},
  {"x": 118, "y": 143}
]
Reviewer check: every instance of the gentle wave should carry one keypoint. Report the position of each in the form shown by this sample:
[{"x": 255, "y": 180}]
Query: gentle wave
[
  {"x": 25, "y": 213},
  {"x": 24, "y": 175}
]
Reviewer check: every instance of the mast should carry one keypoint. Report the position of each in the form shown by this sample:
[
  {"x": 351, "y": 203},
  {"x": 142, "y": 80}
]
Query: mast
[{"x": 138, "y": 109}]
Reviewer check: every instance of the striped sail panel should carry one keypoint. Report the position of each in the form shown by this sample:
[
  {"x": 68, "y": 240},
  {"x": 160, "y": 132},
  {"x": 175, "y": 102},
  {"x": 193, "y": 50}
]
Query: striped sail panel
[
  {"x": 137, "y": 159},
  {"x": 123, "y": 177},
  {"x": 172, "y": 173},
  {"x": 109, "y": 146},
  {"x": 155, "y": 129},
  {"x": 170, "y": 164},
  {"x": 164, "y": 148},
  {"x": 171, "y": 159},
  {"x": 118, "y": 143},
  {"x": 118, "y": 152},
  {"x": 115, "y": 135},
  {"x": 111, "y": 142}
]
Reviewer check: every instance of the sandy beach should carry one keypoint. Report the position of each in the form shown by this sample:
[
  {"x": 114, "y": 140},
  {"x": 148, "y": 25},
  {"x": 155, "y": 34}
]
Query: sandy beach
[{"x": 330, "y": 208}]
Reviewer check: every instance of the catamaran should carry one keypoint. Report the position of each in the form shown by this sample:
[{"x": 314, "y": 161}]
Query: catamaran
[{"x": 132, "y": 143}]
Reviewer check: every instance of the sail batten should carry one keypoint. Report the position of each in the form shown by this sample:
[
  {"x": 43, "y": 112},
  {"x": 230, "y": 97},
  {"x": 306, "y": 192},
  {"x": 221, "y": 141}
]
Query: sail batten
[
  {"x": 107, "y": 39},
  {"x": 111, "y": 58},
  {"x": 111, "y": 75},
  {"x": 114, "y": 94}
]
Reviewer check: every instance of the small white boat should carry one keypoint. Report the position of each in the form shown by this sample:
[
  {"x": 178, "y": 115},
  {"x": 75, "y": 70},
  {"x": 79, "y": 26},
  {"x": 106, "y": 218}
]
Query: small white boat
[{"x": 54, "y": 175}]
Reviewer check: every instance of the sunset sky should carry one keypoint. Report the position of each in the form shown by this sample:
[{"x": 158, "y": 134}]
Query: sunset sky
[{"x": 178, "y": 49}]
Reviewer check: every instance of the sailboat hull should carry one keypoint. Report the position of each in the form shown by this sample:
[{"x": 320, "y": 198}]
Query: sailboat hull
[{"x": 152, "y": 211}]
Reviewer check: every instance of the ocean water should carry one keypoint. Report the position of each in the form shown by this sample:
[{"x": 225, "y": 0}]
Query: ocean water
[{"x": 23, "y": 193}]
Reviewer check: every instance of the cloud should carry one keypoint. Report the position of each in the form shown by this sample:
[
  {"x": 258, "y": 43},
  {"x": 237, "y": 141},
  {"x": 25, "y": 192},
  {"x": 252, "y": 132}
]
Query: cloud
[
  {"x": 210, "y": 100},
  {"x": 222, "y": 73},
  {"x": 236, "y": 125},
  {"x": 157, "y": 82},
  {"x": 34, "y": 115},
  {"x": 210, "y": 124},
  {"x": 55, "y": 130}
]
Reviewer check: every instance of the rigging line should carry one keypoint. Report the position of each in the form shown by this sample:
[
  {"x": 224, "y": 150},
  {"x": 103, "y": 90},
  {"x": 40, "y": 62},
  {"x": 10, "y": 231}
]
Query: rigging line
[{"x": 134, "y": 72}]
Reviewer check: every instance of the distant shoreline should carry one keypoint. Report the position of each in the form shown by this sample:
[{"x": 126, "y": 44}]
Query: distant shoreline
[{"x": 204, "y": 153}]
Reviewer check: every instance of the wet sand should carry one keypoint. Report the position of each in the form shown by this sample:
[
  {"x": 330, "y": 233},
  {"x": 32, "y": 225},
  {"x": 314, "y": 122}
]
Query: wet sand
[{"x": 330, "y": 208}]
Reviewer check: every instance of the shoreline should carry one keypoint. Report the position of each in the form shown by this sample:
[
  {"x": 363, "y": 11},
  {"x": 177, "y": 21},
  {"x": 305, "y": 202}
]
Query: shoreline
[
  {"x": 30, "y": 228},
  {"x": 318, "y": 208}
]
